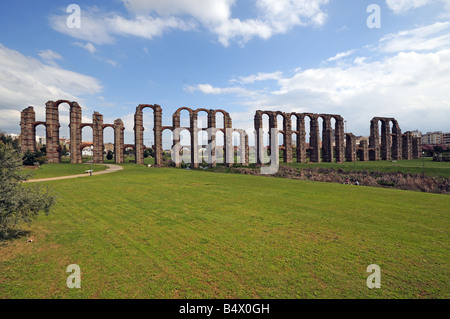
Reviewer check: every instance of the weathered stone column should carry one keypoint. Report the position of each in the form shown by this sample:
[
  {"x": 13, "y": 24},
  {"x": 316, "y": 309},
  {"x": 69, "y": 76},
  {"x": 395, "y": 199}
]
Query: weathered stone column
[
  {"x": 273, "y": 129},
  {"x": 396, "y": 141},
  {"x": 350, "y": 147},
  {"x": 75, "y": 133},
  {"x": 314, "y": 140},
  {"x": 176, "y": 146},
  {"x": 247, "y": 150},
  {"x": 374, "y": 140},
  {"x": 27, "y": 130},
  {"x": 301, "y": 143},
  {"x": 339, "y": 137},
  {"x": 52, "y": 132},
  {"x": 385, "y": 140},
  {"x": 194, "y": 140},
  {"x": 157, "y": 130},
  {"x": 407, "y": 147},
  {"x": 416, "y": 147},
  {"x": 327, "y": 143},
  {"x": 228, "y": 147},
  {"x": 118, "y": 141},
  {"x": 259, "y": 138},
  {"x": 287, "y": 128},
  {"x": 242, "y": 148},
  {"x": 97, "y": 131},
  {"x": 364, "y": 155},
  {"x": 139, "y": 136},
  {"x": 212, "y": 138}
]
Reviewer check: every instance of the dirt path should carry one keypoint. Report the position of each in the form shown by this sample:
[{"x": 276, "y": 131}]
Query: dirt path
[{"x": 111, "y": 168}]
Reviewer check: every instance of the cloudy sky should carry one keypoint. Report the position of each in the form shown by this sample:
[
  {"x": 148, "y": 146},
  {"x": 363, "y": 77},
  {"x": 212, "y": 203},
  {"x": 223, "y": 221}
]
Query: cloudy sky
[{"x": 316, "y": 56}]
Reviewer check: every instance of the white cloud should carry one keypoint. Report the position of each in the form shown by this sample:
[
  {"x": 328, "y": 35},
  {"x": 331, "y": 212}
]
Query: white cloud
[
  {"x": 94, "y": 28},
  {"x": 258, "y": 77},
  {"x": 425, "y": 38},
  {"x": 49, "y": 56},
  {"x": 154, "y": 17},
  {"x": 403, "y": 6},
  {"x": 88, "y": 46},
  {"x": 411, "y": 86},
  {"x": 26, "y": 81},
  {"x": 341, "y": 55},
  {"x": 209, "y": 89}
]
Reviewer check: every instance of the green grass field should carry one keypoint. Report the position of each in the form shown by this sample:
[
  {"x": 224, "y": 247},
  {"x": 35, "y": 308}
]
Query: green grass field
[{"x": 171, "y": 233}]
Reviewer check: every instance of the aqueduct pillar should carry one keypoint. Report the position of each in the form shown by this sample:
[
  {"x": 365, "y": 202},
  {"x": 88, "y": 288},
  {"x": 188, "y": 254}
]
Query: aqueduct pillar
[
  {"x": 327, "y": 143},
  {"x": 301, "y": 143},
  {"x": 374, "y": 140},
  {"x": 350, "y": 147},
  {"x": 97, "y": 136},
  {"x": 339, "y": 136},
  {"x": 27, "y": 130},
  {"x": 314, "y": 140},
  {"x": 118, "y": 141}
]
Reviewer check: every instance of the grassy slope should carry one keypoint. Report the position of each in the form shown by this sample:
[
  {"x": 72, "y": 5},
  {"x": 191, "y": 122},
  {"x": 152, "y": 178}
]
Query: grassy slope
[
  {"x": 166, "y": 233},
  {"x": 418, "y": 166}
]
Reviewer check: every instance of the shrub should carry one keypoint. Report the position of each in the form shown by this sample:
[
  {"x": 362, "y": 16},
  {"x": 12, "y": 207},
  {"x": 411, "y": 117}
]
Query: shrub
[{"x": 18, "y": 203}]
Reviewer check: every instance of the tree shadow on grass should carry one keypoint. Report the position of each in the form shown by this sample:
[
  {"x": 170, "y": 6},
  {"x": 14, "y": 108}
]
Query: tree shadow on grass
[{"x": 13, "y": 234}]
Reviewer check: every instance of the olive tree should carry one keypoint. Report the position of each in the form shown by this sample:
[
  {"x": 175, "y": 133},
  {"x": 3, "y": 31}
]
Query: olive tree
[{"x": 18, "y": 203}]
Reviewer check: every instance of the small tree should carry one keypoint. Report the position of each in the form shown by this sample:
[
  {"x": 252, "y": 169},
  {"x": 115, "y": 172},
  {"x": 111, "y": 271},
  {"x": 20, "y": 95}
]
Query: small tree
[
  {"x": 110, "y": 155},
  {"x": 6, "y": 139},
  {"x": 18, "y": 203}
]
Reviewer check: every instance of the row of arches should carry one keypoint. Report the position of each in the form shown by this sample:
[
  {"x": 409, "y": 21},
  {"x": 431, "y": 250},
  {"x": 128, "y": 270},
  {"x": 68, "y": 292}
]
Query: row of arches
[
  {"x": 52, "y": 126},
  {"x": 300, "y": 136},
  {"x": 293, "y": 136}
]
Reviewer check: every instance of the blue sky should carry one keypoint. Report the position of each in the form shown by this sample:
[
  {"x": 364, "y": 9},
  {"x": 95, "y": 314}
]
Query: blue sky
[{"x": 289, "y": 55}]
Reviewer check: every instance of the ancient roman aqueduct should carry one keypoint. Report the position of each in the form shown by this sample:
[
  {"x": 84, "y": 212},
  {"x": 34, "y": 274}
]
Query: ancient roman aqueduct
[{"x": 392, "y": 145}]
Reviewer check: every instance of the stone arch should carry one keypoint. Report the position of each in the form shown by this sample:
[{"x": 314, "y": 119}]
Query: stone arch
[
  {"x": 139, "y": 133},
  {"x": 389, "y": 145},
  {"x": 53, "y": 125},
  {"x": 224, "y": 114},
  {"x": 314, "y": 137}
]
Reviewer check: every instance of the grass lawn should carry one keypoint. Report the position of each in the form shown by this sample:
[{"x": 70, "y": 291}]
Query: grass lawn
[
  {"x": 171, "y": 233},
  {"x": 63, "y": 169},
  {"x": 417, "y": 166}
]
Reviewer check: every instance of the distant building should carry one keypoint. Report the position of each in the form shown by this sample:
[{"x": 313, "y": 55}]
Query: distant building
[
  {"x": 88, "y": 151},
  {"x": 64, "y": 141},
  {"x": 109, "y": 147},
  {"x": 446, "y": 139},
  {"x": 41, "y": 140},
  {"x": 433, "y": 138}
]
